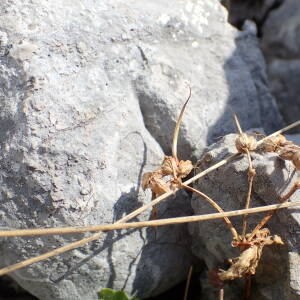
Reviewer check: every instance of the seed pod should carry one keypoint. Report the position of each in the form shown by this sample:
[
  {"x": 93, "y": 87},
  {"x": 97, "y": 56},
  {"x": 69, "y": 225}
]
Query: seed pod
[
  {"x": 244, "y": 142},
  {"x": 296, "y": 160},
  {"x": 184, "y": 168},
  {"x": 273, "y": 143}
]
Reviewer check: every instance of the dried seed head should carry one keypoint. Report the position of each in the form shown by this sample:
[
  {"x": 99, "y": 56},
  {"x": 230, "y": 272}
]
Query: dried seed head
[
  {"x": 184, "y": 168},
  {"x": 168, "y": 166},
  {"x": 296, "y": 160},
  {"x": 273, "y": 143},
  {"x": 159, "y": 187},
  {"x": 244, "y": 142}
]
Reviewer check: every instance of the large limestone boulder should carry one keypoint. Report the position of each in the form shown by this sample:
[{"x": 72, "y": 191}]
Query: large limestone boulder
[{"x": 89, "y": 95}]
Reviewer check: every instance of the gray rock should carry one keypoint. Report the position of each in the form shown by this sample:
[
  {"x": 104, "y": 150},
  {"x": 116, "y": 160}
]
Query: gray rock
[
  {"x": 256, "y": 10},
  {"x": 295, "y": 138},
  {"x": 228, "y": 74},
  {"x": 278, "y": 271},
  {"x": 74, "y": 77},
  {"x": 277, "y": 25},
  {"x": 281, "y": 47},
  {"x": 74, "y": 148}
]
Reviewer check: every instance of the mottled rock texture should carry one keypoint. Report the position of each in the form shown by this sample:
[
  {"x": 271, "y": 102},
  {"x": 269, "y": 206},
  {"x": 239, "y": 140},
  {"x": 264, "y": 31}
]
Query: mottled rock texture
[
  {"x": 277, "y": 275},
  {"x": 89, "y": 95}
]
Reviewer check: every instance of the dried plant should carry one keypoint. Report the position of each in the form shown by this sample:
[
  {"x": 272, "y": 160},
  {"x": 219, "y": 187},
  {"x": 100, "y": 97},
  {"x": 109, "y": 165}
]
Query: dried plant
[{"x": 167, "y": 179}]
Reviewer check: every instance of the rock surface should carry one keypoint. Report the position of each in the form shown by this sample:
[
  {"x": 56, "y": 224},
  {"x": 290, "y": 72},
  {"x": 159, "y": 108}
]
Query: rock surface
[
  {"x": 277, "y": 276},
  {"x": 281, "y": 48},
  {"x": 277, "y": 25},
  {"x": 78, "y": 82}
]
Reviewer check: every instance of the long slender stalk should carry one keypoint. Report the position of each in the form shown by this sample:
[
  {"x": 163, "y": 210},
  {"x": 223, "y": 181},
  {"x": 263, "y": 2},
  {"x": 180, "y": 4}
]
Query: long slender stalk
[
  {"x": 161, "y": 222},
  {"x": 177, "y": 127},
  {"x": 186, "y": 290},
  {"x": 251, "y": 174}
]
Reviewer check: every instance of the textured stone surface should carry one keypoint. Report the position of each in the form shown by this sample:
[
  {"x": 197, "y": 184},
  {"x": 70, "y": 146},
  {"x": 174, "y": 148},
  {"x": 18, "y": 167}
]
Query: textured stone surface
[
  {"x": 78, "y": 81},
  {"x": 276, "y": 276},
  {"x": 74, "y": 147},
  {"x": 277, "y": 25},
  {"x": 281, "y": 48},
  {"x": 225, "y": 70}
]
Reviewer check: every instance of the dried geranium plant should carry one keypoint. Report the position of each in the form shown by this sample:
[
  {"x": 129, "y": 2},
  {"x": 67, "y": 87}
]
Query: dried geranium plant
[{"x": 167, "y": 179}]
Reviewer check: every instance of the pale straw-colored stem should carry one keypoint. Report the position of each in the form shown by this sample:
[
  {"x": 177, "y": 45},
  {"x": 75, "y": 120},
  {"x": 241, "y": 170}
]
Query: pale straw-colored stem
[
  {"x": 251, "y": 174},
  {"x": 186, "y": 290},
  {"x": 161, "y": 222},
  {"x": 177, "y": 127},
  {"x": 221, "y": 294}
]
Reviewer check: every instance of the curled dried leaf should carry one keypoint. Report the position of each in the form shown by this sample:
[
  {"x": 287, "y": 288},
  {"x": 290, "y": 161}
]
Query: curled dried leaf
[
  {"x": 245, "y": 142},
  {"x": 247, "y": 262},
  {"x": 153, "y": 181},
  {"x": 169, "y": 166},
  {"x": 287, "y": 153}
]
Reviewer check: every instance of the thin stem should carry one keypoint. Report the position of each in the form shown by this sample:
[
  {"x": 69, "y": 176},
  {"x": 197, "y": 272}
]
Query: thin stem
[
  {"x": 221, "y": 294},
  {"x": 188, "y": 283},
  {"x": 251, "y": 174},
  {"x": 177, "y": 127},
  {"x": 119, "y": 225},
  {"x": 247, "y": 292},
  {"x": 237, "y": 123},
  {"x": 217, "y": 207},
  {"x": 161, "y": 222}
]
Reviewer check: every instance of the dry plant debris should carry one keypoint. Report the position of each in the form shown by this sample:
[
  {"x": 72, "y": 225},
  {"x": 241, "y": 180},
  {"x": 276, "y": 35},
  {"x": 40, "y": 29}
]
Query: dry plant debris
[
  {"x": 247, "y": 262},
  {"x": 167, "y": 179}
]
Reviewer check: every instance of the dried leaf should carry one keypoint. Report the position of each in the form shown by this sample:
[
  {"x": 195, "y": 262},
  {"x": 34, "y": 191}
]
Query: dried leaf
[
  {"x": 169, "y": 166},
  {"x": 153, "y": 180},
  {"x": 247, "y": 262}
]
